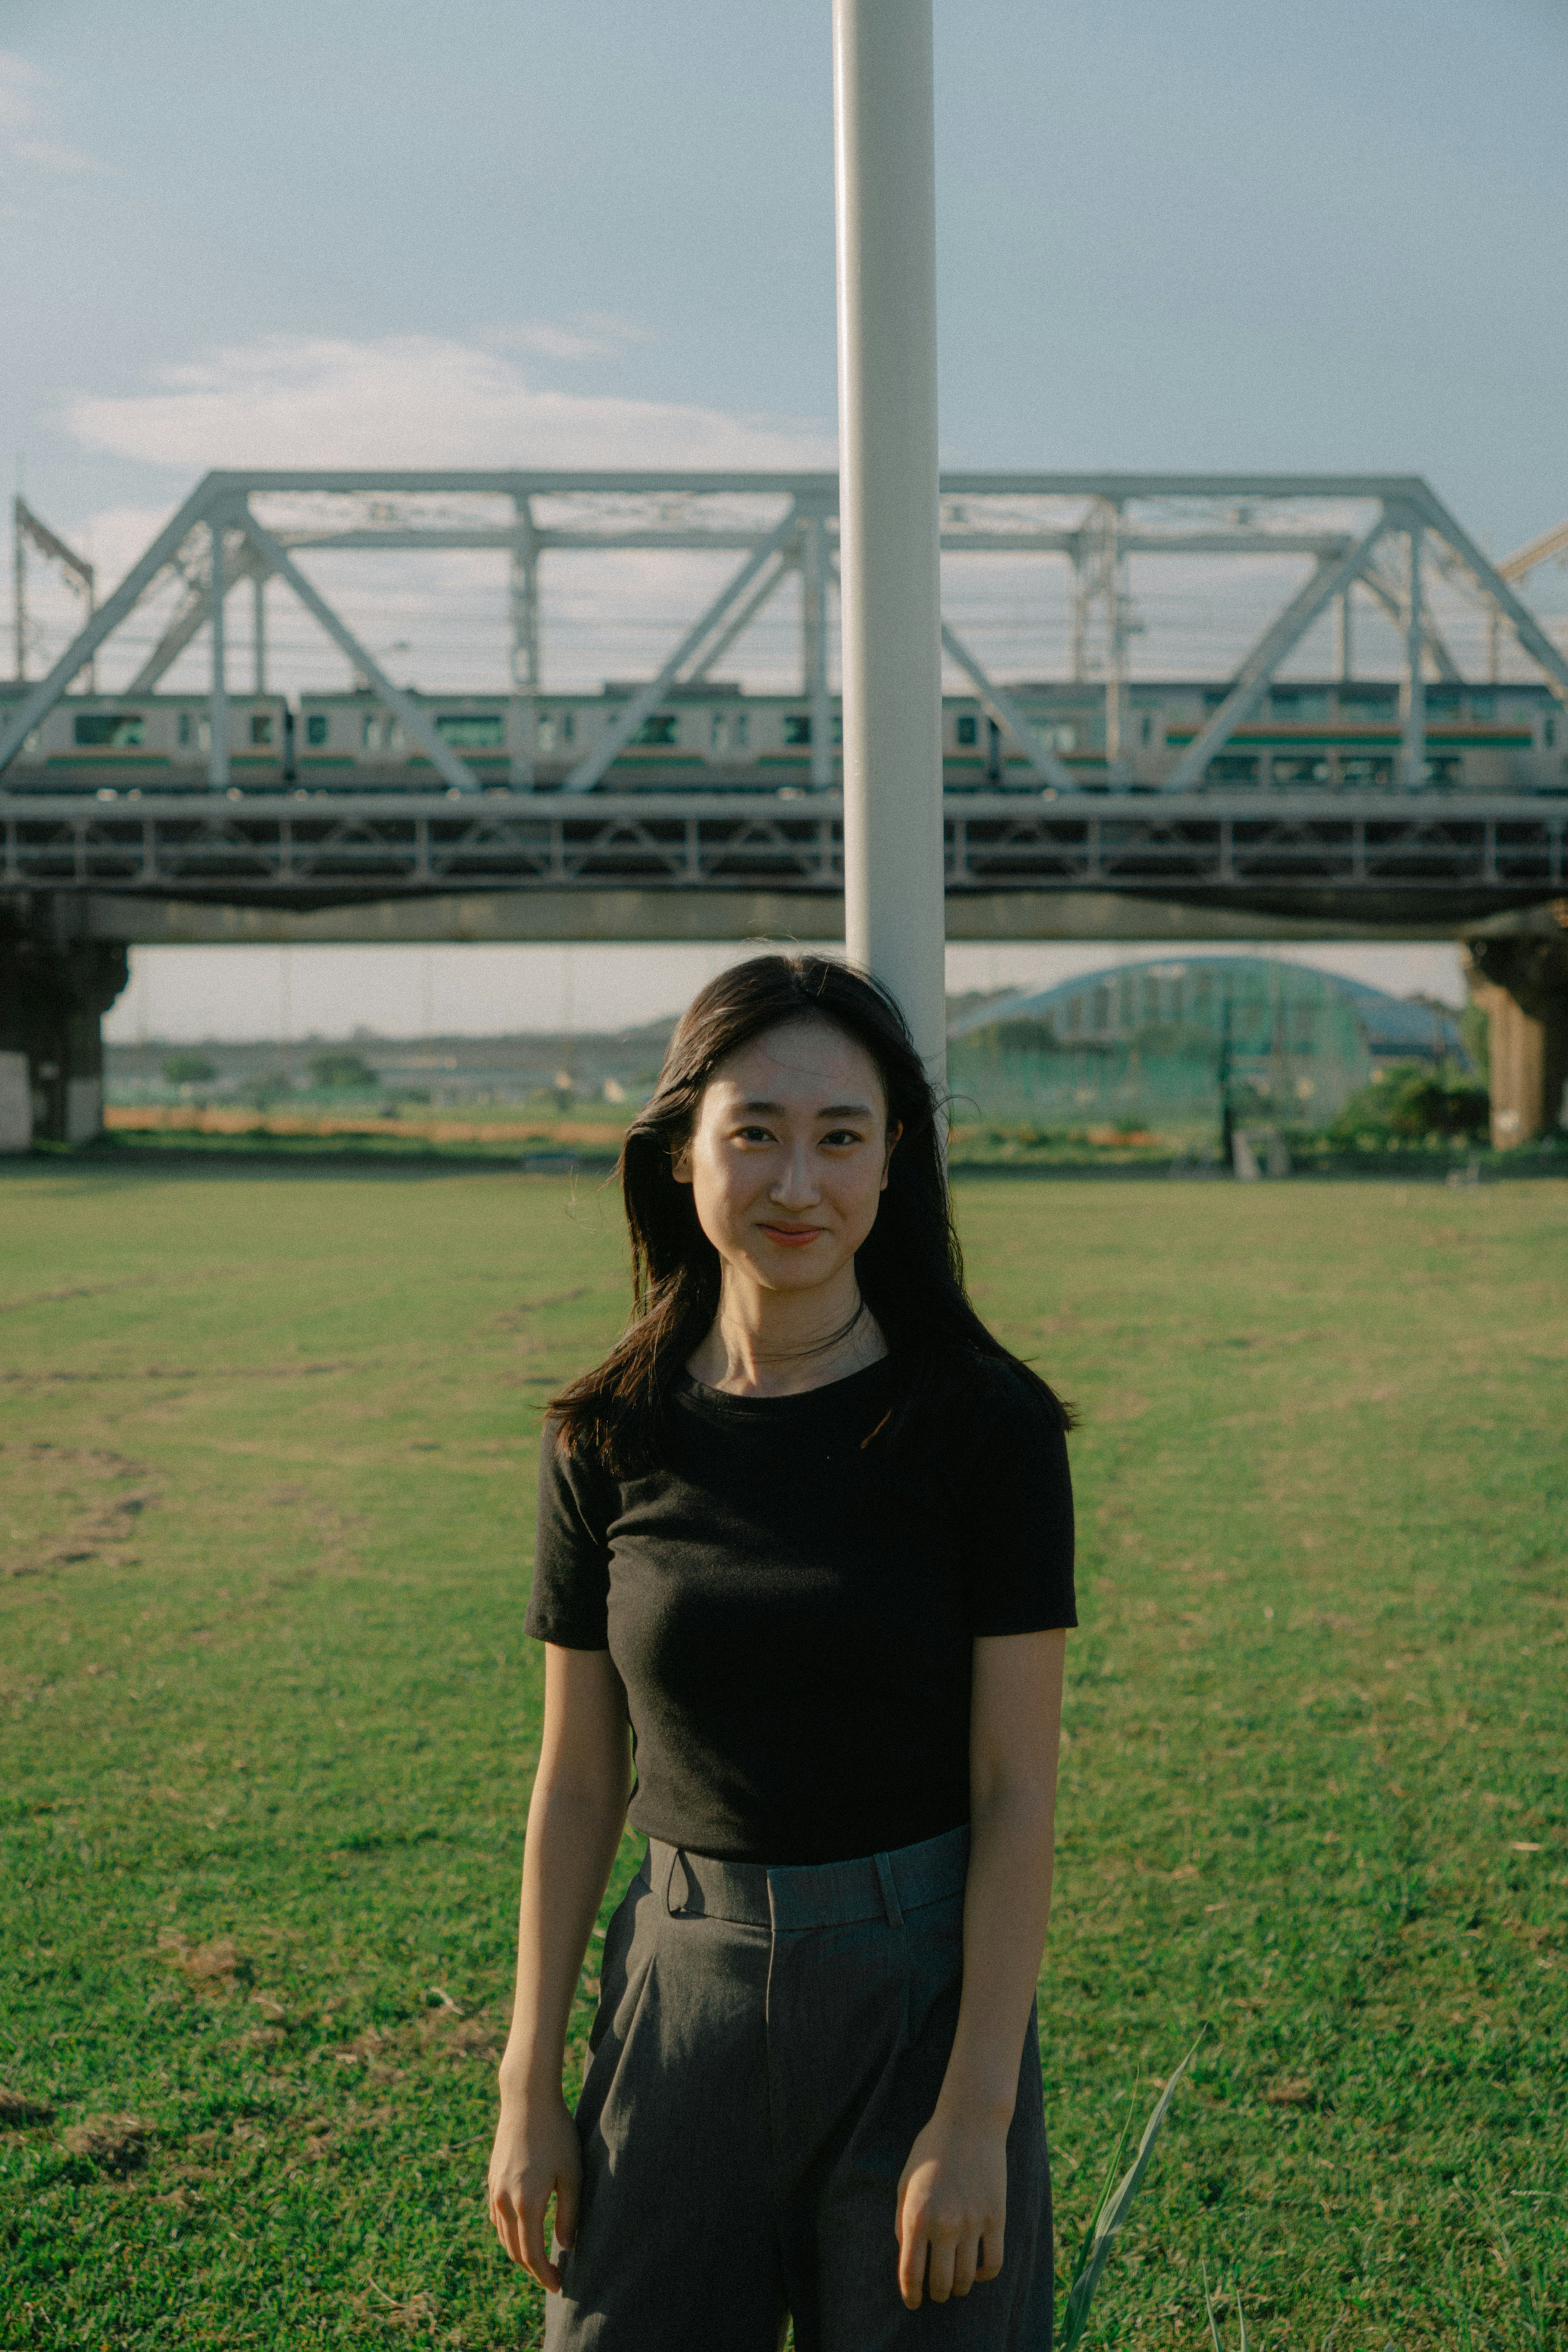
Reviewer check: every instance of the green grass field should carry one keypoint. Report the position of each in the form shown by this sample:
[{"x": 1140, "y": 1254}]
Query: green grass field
[{"x": 268, "y": 1463}]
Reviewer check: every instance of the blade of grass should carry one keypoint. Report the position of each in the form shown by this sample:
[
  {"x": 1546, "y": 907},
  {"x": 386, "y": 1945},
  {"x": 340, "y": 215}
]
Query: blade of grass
[
  {"x": 1086, "y": 2243},
  {"x": 1111, "y": 2215}
]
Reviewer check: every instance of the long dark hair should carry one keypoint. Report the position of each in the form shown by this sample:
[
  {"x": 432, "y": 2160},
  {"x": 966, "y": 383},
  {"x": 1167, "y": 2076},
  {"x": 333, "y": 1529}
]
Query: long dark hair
[{"x": 910, "y": 1267}]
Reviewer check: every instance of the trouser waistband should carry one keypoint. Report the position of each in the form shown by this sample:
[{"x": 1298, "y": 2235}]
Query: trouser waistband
[{"x": 810, "y": 1894}]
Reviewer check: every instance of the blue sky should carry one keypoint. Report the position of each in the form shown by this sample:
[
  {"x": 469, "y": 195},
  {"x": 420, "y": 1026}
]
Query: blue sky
[{"x": 1220, "y": 235}]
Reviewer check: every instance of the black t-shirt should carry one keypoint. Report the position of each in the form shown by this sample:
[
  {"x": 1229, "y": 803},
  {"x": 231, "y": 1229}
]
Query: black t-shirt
[{"x": 791, "y": 1592}]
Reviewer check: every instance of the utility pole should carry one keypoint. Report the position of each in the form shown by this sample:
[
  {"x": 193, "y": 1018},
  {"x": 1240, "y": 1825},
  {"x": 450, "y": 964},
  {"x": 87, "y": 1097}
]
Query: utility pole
[{"x": 885, "y": 176}]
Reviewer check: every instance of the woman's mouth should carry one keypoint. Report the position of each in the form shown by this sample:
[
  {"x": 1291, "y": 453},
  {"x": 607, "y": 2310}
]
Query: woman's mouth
[{"x": 791, "y": 1236}]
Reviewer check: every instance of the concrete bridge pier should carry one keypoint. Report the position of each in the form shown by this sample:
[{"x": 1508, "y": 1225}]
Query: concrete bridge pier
[
  {"x": 53, "y": 991},
  {"x": 1521, "y": 980}
]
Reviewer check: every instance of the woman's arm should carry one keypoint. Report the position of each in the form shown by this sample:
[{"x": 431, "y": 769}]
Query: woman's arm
[
  {"x": 952, "y": 2198},
  {"x": 575, "y": 1818}
]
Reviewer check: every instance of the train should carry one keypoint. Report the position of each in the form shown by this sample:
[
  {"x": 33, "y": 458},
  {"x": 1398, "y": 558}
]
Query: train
[{"x": 1342, "y": 736}]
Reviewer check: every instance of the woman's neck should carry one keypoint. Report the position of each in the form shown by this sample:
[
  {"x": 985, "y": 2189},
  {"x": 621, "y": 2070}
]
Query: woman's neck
[{"x": 778, "y": 1343}]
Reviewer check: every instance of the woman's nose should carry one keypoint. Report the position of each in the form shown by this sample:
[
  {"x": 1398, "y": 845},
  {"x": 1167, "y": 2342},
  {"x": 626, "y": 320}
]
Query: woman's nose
[{"x": 795, "y": 1185}]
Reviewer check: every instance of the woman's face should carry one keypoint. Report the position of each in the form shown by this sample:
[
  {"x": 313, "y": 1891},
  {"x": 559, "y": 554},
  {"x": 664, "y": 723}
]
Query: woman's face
[{"x": 788, "y": 1156}]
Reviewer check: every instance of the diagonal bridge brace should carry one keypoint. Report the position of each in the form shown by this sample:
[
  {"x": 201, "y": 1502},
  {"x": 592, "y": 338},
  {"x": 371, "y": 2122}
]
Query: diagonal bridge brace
[
  {"x": 1043, "y": 763},
  {"x": 595, "y": 764},
  {"x": 1329, "y": 579},
  {"x": 440, "y": 754}
]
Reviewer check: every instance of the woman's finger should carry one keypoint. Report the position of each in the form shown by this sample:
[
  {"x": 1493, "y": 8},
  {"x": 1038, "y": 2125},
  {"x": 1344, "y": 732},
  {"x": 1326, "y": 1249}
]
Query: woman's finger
[
  {"x": 534, "y": 2259},
  {"x": 939, "y": 2271},
  {"x": 990, "y": 2263},
  {"x": 913, "y": 2249},
  {"x": 567, "y": 2199},
  {"x": 508, "y": 2217},
  {"x": 966, "y": 2263}
]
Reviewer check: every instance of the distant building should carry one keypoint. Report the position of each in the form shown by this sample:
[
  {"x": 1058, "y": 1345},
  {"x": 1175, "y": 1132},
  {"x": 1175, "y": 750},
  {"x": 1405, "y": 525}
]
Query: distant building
[{"x": 1151, "y": 1045}]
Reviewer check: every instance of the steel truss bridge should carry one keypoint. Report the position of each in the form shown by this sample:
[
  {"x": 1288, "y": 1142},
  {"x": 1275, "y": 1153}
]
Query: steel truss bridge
[
  {"x": 698, "y": 861},
  {"x": 576, "y": 854}
]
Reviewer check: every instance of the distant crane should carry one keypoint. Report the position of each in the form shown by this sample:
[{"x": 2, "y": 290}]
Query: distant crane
[{"x": 79, "y": 574}]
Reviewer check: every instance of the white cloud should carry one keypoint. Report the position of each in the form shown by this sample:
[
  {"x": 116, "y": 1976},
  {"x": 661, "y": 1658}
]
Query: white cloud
[
  {"x": 589, "y": 335},
  {"x": 413, "y": 401},
  {"x": 29, "y": 115}
]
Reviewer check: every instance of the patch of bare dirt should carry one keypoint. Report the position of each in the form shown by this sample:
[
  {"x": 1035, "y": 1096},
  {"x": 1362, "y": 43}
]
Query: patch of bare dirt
[
  {"x": 17, "y": 2109},
  {"x": 84, "y": 1503},
  {"x": 448, "y": 2033},
  {"x": 1291, "y": 2091},
  {"x": 184, "y": 2200},
  {"x": 116, "y": 2143},
  {"x": 217, "y": 1966},
  {"x": 416, "y": 2315}
]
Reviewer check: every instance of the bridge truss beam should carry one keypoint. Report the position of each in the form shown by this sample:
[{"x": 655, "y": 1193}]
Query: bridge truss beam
[
  {"x": 1445, "y": 865},
  {"x": 781, "y": 525}
]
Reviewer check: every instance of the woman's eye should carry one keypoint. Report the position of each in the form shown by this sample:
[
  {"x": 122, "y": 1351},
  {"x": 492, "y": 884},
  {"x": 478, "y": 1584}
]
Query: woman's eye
[
  {"x": 753, "y": 1135},
  {"x": 841, "y": 1135}
]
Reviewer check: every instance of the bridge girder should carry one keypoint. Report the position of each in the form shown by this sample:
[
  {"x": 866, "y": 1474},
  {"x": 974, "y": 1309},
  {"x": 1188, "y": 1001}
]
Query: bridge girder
[{"x": 786, "y": 517}]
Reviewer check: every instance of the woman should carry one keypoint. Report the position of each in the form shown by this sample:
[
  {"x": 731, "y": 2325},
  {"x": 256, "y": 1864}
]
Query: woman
[{"x": 808, "y": 1530}]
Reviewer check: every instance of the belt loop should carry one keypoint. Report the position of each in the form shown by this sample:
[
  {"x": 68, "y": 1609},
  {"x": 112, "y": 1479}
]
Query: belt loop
[
  {"x": 677, "y": 1863},
  {"x": 889, "y": 1891}
]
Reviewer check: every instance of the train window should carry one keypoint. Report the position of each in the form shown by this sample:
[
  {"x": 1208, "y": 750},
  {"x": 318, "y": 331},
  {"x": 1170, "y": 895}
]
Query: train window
[
  {"x": 742, "y": 729},
  {"x": 1233, "y": 768},
  {"x": 108, "y": 730},
  {"x": 1300, "y": 705},
  {"x": 472, "y": 731},
  {"x": 1483, "y": 706},
  {"x": 184, "y": 730},
  {"x": 662, "y": 726},
  {"x": 1148, "y": 728},
  {"x": 1378, "y": 772},
  {"x": 316, "y": 726},
  {"x": 1300, "y": 771},
  {"x": 261, "y": 726},
  {"x": 721, "y": 730},
  {"x": 967, "y": 728},
  {"x": 544, "y": 731},
  {"x": 369, "y": 729},
  {"x": 1549, "y": 731},
  {"x": 569, "y": 726},
  {"x": 797, "y": 727}
]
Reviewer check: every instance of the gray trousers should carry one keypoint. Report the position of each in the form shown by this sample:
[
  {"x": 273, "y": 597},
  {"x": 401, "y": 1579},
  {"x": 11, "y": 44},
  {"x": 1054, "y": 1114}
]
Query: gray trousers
[{"x": 769, "y": 2043}]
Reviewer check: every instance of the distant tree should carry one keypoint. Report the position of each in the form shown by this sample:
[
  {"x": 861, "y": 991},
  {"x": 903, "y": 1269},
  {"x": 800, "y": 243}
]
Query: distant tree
[
  {"x": 189, "y": 1070},
  {"x": 273, "y": 1085},
  {"x": 346, "y": 1073},
  {"x": 1411, "y": 1101}
]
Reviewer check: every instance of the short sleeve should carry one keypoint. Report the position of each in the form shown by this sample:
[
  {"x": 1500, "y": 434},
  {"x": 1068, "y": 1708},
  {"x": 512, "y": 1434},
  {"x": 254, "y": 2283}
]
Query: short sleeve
[
  {"x": 1017, "y": 1511},
  {"x": 569, "y": 1601}
]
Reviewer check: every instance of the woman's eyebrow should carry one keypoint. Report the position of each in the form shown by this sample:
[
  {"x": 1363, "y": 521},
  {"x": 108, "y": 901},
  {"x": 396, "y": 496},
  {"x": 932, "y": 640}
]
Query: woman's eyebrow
[{"x": 828, "y": 1111}]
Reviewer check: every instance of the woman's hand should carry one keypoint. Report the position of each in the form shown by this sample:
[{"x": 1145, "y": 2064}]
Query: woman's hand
[
  {"x": 952, "y": 2206},
  {"x": 536, "y": 2157}
]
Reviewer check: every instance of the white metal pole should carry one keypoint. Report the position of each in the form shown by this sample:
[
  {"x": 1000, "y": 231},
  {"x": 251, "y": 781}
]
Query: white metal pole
[
  {"x": 218, "y": 700},
  {"x": 885, "y": 170},
  {"x": 259, "y": 632},
  {"x": 814, "y": 602}
]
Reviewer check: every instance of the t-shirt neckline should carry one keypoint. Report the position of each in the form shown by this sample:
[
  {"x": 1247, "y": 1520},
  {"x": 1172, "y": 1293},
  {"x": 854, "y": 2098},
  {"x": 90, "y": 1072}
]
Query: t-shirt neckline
[{"x": 719, "y": 1404}]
